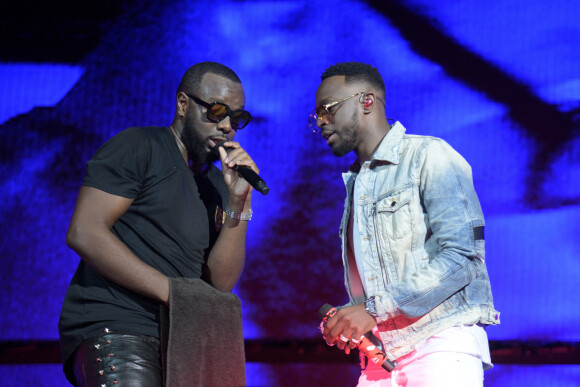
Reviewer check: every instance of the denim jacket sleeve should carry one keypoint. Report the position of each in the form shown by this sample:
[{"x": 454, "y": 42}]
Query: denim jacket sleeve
[{"x": 452, "y": 212}]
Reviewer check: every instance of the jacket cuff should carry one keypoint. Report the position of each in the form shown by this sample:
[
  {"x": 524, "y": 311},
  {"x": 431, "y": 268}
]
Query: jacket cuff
[{"x": 386, "y": 306}]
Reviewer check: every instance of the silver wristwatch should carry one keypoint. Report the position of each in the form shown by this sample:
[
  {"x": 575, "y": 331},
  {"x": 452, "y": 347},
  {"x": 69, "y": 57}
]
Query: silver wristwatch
[
  {"x": 238, "y": 215},
  {"x": 370, "y": 306}
]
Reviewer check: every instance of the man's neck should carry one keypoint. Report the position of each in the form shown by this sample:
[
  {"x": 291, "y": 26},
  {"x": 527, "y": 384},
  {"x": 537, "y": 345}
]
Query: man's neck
[
  {"x": 365, "y": 155},
  {"x": 180, "y": 144}
]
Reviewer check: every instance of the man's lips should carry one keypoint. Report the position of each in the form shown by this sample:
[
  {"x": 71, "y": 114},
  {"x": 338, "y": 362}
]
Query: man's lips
[
  {"x": 327, "y": 135},
  {"x": 215, "y": 140}
]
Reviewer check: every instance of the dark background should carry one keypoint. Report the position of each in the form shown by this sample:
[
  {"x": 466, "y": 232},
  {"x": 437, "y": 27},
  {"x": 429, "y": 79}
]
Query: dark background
[{"x": 500, "y": 82}]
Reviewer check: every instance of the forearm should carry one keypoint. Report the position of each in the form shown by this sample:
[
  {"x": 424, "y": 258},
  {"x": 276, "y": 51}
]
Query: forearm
[
  {"x": 106, "y": 254},
  {"x": 444, "y": 276},
  {"x": 226, "y": 260}
]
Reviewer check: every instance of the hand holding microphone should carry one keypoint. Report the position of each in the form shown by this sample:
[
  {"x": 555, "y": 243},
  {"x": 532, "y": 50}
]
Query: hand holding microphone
[
  {"x": 246, "y": 172},
  {"x": 367, "y": 343}
]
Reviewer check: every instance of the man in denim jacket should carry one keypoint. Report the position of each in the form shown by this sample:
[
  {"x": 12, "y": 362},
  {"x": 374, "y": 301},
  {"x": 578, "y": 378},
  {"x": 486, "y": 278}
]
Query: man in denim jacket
[{"x": 412, "y": 239}]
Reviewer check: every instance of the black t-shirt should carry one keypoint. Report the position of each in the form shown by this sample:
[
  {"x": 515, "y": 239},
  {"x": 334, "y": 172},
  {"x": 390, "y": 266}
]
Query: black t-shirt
[{"x": 171, "y": 225}]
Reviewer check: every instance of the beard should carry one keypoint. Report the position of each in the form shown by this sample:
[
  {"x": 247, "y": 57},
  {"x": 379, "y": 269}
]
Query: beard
[
  {"x": 347, "y": 138},
  {"x": 195, "y": 144}
]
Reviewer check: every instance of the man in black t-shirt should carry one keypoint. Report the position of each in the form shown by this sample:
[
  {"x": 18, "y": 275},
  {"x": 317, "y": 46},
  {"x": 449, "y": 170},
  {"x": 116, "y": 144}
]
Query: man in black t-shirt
[{"x": 152, "y": 207}]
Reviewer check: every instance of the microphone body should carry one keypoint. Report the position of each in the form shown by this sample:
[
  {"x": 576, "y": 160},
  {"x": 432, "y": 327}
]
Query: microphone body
[
  {"x": 246, "y": 172},
  {"x": 367, "y": 344}
]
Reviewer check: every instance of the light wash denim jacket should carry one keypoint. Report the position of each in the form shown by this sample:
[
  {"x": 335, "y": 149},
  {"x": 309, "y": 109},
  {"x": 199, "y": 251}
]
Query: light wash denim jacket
[{"x": 421, "y": 237}]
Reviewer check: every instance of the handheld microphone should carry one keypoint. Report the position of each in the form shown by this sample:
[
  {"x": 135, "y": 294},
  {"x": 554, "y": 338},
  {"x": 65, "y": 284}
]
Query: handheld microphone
[
  {"x": 246, "y": 172},
  {"x": 372, "y": 350}
]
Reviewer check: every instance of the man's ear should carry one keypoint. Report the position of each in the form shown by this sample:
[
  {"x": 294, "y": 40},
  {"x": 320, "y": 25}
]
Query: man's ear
[
  {"x": 182, "y": 103},
  {"x": 368, "y": 101}
]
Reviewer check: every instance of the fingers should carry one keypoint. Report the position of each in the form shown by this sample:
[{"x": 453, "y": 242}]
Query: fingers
[
  {"x": 233, "y": 154},
  {"x": 346, "y": 343},
  {"x": 338, "y": 332},
  {"x": 342, "y": 340},
  {"x": 352, "y": 344},
  {"x": 347, "y": 326}
]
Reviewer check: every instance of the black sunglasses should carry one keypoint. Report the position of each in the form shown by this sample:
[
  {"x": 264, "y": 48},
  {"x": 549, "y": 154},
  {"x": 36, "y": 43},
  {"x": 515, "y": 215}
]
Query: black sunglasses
[{"x": 217, "y": 111}]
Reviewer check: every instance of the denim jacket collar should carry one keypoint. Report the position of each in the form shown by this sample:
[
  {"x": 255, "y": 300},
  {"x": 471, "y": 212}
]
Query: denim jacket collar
[{"x": 388, "y": 149}]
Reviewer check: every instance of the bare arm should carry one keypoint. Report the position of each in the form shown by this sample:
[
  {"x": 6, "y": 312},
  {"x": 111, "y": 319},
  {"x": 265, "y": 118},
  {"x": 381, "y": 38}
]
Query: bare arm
[
  {"x": 89, "y": 235},
  {"x": 226, "y": 260}
]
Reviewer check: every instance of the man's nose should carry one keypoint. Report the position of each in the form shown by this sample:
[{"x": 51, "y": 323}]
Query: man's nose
[
  {"x": 225, "y": 125},
  {"x": 322, "y": 120}
]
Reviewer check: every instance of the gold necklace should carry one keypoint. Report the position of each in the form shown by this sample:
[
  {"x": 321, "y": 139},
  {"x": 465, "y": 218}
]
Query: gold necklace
[{"x": 180, "y": 144}]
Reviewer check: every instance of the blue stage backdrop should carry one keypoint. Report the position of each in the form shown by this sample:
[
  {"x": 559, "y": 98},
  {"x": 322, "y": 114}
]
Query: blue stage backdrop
[{"x": 499, "y": 81}]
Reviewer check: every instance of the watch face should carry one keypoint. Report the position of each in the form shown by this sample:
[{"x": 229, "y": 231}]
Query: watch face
[{"x": 370, "y": 306}]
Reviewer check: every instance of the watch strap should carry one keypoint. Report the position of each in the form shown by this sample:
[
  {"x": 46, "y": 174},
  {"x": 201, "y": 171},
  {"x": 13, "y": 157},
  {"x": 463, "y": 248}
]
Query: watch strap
[{"x": 238, "y": 215}]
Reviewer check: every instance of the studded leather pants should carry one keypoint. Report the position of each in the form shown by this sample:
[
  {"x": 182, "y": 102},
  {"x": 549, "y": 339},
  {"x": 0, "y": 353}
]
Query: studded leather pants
[{"x": 119, "y": 359}]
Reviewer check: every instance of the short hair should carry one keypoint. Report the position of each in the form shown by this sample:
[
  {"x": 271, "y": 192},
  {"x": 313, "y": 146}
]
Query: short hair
[
  {"x": 354, "y": 72},
  {"x": 191, "y": 80}
]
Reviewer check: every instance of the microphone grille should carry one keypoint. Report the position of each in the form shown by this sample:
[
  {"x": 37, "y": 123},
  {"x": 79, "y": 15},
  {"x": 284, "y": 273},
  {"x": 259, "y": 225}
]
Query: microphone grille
[
  {"x": 324, "y": 309},
  {"x": 217, "y": 147}
]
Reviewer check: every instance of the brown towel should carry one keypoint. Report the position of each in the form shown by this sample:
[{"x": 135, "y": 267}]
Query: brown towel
[{"x": 201, "y": 335}]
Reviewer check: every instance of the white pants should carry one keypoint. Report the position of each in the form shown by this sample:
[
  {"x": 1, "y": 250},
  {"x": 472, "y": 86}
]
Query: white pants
[{"x": 445, "y": 369}]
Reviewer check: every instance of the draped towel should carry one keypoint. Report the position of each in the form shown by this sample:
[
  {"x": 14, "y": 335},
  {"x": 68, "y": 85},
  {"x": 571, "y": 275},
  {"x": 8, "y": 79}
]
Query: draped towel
[{"x": 201, "y": 336}]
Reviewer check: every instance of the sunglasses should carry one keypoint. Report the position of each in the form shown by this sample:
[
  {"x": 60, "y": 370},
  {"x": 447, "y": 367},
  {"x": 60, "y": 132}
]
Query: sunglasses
[
  {"x": 322, "y": 111},
  {"x": 217, "y": 111}
]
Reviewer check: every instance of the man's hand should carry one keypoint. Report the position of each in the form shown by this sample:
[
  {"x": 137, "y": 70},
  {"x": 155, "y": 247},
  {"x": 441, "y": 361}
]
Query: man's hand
[
  {"x": 235, "y": 155},
  {"x": 350, "y": 322}
]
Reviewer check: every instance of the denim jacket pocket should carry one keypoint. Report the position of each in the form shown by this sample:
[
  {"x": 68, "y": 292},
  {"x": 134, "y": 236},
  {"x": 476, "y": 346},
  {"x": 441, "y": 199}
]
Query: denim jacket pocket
[{"x": 394, "y": 214}]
